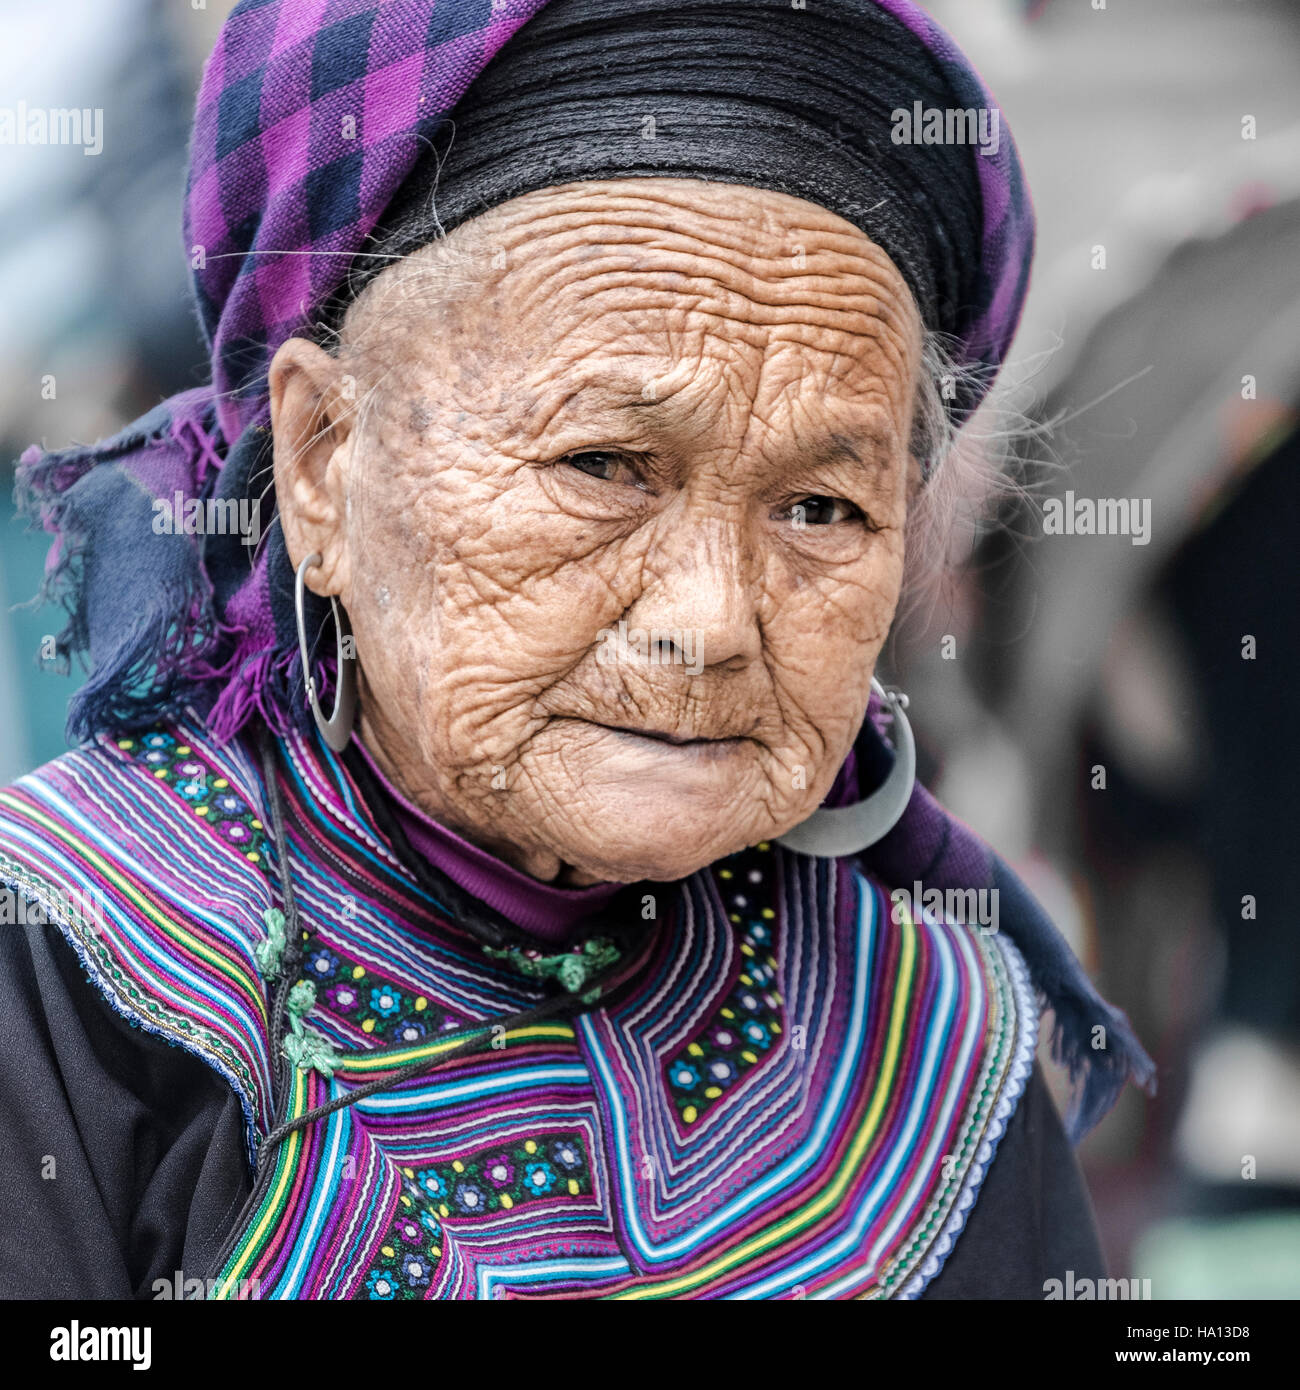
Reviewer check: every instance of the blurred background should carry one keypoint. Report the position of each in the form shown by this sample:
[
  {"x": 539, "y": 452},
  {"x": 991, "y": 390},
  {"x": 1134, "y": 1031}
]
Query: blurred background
[{"x": 1109, "y": 715}]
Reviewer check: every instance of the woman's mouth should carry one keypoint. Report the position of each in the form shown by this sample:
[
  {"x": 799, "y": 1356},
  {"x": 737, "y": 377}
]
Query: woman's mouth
[
  {"x": 670, "y": 741},
  {"x": 676, "y": 744}
]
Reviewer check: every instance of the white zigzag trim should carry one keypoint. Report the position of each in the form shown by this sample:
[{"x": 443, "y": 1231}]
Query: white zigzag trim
[{"x": 1022, "y": 1065}]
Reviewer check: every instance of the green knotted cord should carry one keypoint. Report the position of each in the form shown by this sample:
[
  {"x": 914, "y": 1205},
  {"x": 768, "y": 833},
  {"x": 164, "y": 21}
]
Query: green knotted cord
[
  {"x": 306, "y": 1051},
  {"x": 302, "y": 998},
  {"x": 571, "y": 968},
  {"x": 269, "y": 954}
]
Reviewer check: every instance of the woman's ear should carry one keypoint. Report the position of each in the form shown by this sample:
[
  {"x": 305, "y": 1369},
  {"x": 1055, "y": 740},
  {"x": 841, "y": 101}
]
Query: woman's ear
[{"x": 312, "y": 416}]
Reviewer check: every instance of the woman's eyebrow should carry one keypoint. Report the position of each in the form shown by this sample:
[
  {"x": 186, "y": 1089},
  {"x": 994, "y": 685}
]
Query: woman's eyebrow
[
  {"x": 619, "y": 389},
  {"x": 871, "y": 448},
  {"x": 836, "y": 447}
]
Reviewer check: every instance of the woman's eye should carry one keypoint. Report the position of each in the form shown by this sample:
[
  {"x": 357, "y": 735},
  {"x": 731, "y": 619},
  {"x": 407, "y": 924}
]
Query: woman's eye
[
  {"x": 820, "y": 511},
  {"x": 598, "y": 463}
]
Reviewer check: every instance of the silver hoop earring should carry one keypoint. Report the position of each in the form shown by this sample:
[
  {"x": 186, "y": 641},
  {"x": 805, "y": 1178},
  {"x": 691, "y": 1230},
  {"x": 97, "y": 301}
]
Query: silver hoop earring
[
  {"x": 834, "y": 832},
  {"x": 337, "y": 729}
]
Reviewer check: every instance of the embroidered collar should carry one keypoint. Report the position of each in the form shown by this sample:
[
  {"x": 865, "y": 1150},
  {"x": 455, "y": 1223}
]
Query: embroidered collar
[{"x": 798, "y": 1096}]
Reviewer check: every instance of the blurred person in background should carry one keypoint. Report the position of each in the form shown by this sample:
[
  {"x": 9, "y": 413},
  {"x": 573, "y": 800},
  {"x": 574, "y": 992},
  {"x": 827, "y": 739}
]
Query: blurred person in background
[{"x": 1161, "y": 340}]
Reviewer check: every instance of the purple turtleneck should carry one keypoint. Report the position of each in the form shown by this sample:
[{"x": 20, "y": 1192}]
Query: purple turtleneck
[{"x": 548, "y": 912}]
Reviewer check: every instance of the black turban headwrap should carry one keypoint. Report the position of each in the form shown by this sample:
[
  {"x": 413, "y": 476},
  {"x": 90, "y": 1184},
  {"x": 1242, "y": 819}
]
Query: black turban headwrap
[{"x": 803, "y": 101}]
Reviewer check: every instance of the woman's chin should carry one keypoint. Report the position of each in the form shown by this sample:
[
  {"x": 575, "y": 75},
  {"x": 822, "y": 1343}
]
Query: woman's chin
[
  {"x": 645, "y": 837},
  {"x": 640, "y": 863},
  {"x": 631, "y": 808}
]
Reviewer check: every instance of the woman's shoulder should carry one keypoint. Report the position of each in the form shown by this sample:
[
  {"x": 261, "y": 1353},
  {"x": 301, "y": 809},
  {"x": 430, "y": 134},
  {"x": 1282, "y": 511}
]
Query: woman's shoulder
[
  {"x": 158, "y": 808},
  {"x": 170, "y": 775},
  {"x": 925, "y": 1027},
  {"x": 121, "y": 1156},
  {"x": 147, "y": 851}
]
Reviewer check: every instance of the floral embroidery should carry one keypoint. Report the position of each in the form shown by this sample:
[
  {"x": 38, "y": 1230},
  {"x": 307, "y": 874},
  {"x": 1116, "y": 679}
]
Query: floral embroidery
[
  {"x": 343, "y": 998},
  {"x": 410, "y": 1253},
  {"x": 684, "y": 1076},
  {"x": 320, "y": 965},
  {"x": 470, "y": 1197},
  {"x": 209, "y": 795},
  {"x": 501, "y": 1178},
  {"x": 500, "y": 1171},
  {"x": 385, "y": 1001},
  {"x": 495, "y": 1180},
  {"x": 539, "y": 1176},
  {"x": 431, "y": 1182},
  {"x": 417, "y": 1271},
  {"x": 409, "y": 1230},
  {"x": 355, "y": 996},
  {"x": 568, "y": 1155},
  {"x": 750, "y": 1019}
]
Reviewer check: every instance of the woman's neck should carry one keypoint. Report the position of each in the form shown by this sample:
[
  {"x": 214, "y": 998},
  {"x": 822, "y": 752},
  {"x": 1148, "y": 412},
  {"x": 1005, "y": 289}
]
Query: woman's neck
[
  {"x": 539, "y": 864},
  {"x": 550, "y": 910}
]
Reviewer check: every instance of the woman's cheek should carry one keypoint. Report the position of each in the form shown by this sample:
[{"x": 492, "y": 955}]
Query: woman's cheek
[{"x": 822, "y": 654}]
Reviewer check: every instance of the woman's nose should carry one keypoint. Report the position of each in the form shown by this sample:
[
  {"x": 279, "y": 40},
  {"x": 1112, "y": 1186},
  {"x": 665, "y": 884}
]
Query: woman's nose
[{"x": 699, "y": 605}]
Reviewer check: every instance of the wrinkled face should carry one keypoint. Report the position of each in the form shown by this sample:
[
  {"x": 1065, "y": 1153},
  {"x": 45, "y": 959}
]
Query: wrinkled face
[{"x": 619, "y": 527}]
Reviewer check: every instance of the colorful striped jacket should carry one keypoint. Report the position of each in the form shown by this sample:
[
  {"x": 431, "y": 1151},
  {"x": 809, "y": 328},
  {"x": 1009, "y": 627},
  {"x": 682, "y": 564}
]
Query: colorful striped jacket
[{"x": 799, "y": 1095}]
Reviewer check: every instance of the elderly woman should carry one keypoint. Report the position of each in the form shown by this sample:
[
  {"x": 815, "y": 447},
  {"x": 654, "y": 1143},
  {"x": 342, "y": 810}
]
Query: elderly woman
[{"x": 484, "y": 872}]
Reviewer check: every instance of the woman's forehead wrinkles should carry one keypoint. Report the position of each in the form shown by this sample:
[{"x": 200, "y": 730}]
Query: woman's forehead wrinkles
[
  {"x": 669, "y": 384},
  {"x": 735, "y": 247},
  {"x": 740, "y": 225},
  {"x": 859, "y": 294},
  {"x": 831, "y": 339}
]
